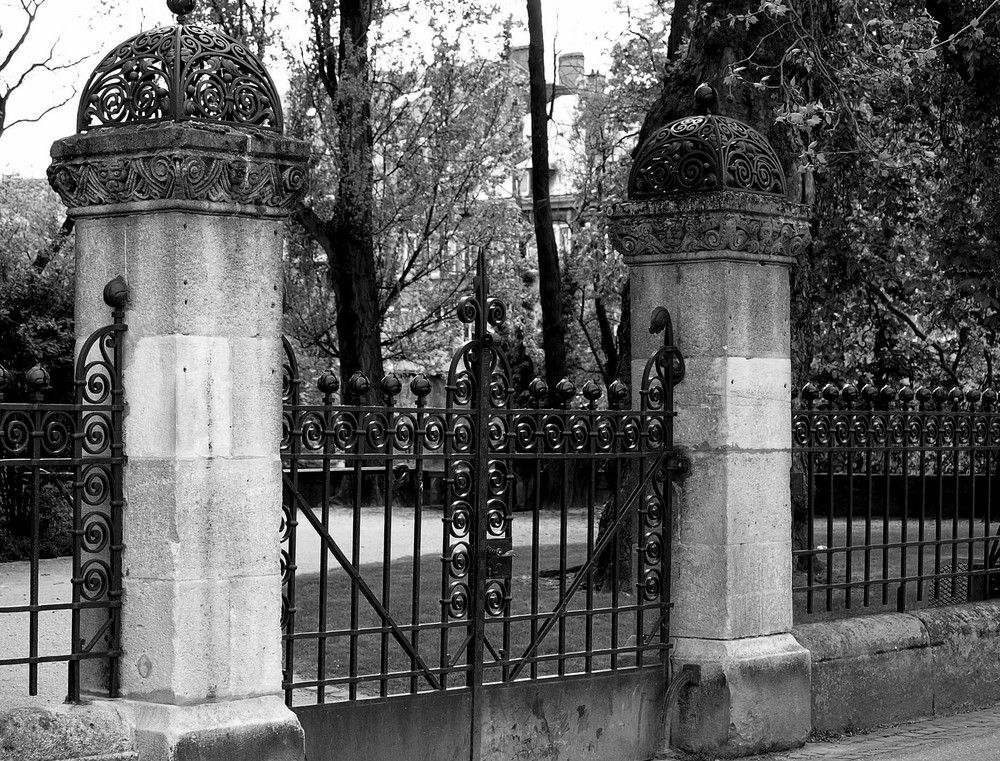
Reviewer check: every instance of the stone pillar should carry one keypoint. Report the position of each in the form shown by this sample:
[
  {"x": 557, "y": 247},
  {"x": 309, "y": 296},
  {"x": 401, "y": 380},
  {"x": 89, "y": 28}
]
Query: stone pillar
[
  {"x": 719, "y": 262},
  {"x": 191, "y": 216}
]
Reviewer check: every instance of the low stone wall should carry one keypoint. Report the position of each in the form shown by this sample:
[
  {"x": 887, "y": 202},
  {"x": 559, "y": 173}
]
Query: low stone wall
[
  {"x": 890, "y": 668},
  {"x": 94, "y": 732}
]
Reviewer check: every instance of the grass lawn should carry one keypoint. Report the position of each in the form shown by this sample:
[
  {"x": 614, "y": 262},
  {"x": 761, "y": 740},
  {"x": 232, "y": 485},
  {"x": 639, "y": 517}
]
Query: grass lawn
[
  {"x": 377, "y": 651},
  {"x": 947, "y": 549}
]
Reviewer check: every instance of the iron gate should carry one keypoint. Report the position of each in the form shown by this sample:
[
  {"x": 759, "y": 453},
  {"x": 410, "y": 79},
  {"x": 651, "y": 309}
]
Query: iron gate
[
  {"x": 430, "y": 551},
  {"x": 69, "y": 458}
]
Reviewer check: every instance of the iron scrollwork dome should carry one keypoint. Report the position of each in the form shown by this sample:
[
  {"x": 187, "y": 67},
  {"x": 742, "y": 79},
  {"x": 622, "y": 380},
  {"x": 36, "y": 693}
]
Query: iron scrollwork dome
[
  {"x": 180, "y": 73},
  {"x": 705, "y": 153}
]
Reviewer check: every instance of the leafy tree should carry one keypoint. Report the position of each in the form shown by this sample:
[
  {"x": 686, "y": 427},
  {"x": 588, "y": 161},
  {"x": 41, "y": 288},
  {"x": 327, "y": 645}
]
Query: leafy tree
[
  {"x": 885, "y": 124},
  {"x": 36, "y": 287}
]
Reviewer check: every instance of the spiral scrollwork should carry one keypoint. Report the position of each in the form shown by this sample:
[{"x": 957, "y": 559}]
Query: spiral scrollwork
[
  {"x": 95, "y": 580},
  {"x": 433, "y": 432},
  {"x": 404, "y": 432},
  {"x": 496, "y": 517},
  {"x": 458, "y": 603},
  {"x": 58, "y": 428},
  {"x": 462, "y": 480},
  {"x": 96, "y": 531},
  {"x": 180, "y": 73},
  {"x": 652, "y": 584},
  {"x": 496, "y": 599},
  {"x": 460, "y": 560},
  {"x": 95, "y": 484},
  {"x": 312, "y": 429},
  {"x": 703, "y": 153},
  {"x": 98, "y": 432},
  {"x": 461, "y": 518}
]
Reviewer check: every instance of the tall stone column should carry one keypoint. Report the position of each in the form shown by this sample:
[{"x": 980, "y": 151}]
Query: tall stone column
[
  {"x": 190, "y": 214},
  {"x": 710, "y": 237}
]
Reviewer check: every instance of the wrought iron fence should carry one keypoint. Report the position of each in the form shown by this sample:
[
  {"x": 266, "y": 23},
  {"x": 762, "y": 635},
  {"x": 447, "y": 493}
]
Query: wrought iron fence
[
  {"x": 434, "y": 548},
  {"x": 894, "y": 505},
  {"x": 66, "y": 459}
]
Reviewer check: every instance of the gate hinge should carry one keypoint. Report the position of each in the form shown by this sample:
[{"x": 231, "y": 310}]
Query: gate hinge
[{"x": 679, "y": 464}]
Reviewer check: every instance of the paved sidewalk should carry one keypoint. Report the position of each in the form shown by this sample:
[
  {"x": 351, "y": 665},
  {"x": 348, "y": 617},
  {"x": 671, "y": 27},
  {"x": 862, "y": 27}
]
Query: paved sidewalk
[{"x": 964, "y": 737}]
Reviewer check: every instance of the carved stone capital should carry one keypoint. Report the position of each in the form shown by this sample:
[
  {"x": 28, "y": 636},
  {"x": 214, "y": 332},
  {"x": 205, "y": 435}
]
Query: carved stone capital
[
  {"x": 217, "y": 170},
  {"x": 699, "y": 226}
]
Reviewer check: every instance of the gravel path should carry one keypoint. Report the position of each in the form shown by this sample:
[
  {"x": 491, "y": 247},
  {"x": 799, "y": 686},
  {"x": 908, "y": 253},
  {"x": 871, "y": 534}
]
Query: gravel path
[{"x": 55, "y": 586}]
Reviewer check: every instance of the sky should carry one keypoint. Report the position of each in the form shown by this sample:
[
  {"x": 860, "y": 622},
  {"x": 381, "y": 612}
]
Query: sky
[{"x": 85, "y": 29}]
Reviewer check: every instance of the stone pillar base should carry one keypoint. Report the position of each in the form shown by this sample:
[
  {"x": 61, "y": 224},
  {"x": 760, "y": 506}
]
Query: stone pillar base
[
  {"x": 253, "y": 729},
  {"x": 754, "y": 696}
]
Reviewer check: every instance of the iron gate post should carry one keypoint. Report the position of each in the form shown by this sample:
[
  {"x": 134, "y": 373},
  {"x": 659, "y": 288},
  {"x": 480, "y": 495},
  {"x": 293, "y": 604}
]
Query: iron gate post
[
  {"x": 709, "y": 235},
  {"x": 190, "y": 213}
]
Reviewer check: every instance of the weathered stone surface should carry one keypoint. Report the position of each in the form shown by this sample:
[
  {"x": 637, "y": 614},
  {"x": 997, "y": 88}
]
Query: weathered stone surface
[
  {"x": 718, "y": 261},
  {"x": 193, "y": 164},
  {"x": 753, "y": 696},
  {"x": 192, "y": 641},
  {"x": 889, "y": 668},
  {"x": 190, "y": 217},
  {"x": 262, "y": 729},
  {"x": 203, "y": 518},
  {"x": 188, "y": 272},
  {"x": 868, "y": 670},
  {"x": 692, "y": 226},
  {"x": 95, "y": 732},
  {"x": 731, "y": 591}
]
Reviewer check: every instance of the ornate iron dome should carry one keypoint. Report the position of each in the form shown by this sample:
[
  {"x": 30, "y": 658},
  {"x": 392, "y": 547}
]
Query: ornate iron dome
[
  {"x": 705, "y": 153},
  {"x": 180, "y": 73}
]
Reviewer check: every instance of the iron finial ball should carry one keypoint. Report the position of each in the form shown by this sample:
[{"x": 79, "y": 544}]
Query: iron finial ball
[
  {"x": 181, "y": 7},
  {"x": 706, "y": 98},
  {"x": 37, "y": 378},
  {"x": 116, "y": 293},
  {"x": 328, "y": 383},
  {"x": 420, "y": 386}
]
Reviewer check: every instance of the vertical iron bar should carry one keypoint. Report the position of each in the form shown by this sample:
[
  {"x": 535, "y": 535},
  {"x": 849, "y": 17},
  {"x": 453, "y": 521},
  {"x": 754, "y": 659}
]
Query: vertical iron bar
[
  {"x": 295, "y": 423},
  {"x": 955, "y": 467},
  {"x": 869, "y": 478},
  {"x": 447, "y": 512},
  {"x": 615, "y": 568},
  {"x": 481, "y": 471},
  {"x": 418, "y": 517},
  {"x": 565, "y": 446},
  {"x": 939, "y": 456},
  {"x": 849, "y": 571},
  {"x": 358, "y": 485},
  {"x": 921, "y": 525},
  {"x": 324, "y": 552},
  {"x": 117, "y": 496},
  {"x": 536, "y": 518},
  {"x": 591, "y": 500},
  {"x": 887, "y": 499},
  {"x": 904, "y": 414},
  {"x": 79, "y": 426},
  {"x": 36, "y": 455},
  {"x": 636, "y": 520},
  {"x": 387, "y": 546},
  {"x": 831, "y": 542}
]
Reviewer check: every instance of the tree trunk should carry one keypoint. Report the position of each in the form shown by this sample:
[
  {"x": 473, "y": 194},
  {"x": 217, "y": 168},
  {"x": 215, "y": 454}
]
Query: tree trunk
[
  {"x": 352, "y": 271},
  {"x": 549, "y": 279}
]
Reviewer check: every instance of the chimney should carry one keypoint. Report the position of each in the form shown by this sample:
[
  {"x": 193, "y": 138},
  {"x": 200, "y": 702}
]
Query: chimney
[{"x": 571, "y": 72}]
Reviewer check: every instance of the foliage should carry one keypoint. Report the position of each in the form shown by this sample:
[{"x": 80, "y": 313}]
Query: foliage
[
  {"x": 885, "y": 115},
  {"x": 55, "y": 516},
  {"x": 444, "y": 137},
  {"x": 603, "y": 128},
  {"x": 36, "y": 287}
]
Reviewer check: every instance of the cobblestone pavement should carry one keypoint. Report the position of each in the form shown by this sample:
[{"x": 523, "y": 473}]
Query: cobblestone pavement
[{"x": 947, "y": 738}]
